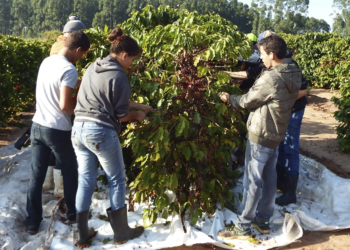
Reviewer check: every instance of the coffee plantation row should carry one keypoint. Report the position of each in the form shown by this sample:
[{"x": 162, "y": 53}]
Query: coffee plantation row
[{"x": 186, "y": 146}]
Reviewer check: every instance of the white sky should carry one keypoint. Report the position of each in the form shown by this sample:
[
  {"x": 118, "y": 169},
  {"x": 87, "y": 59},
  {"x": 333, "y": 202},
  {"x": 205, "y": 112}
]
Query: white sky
[{"x": 320, "y": 9}]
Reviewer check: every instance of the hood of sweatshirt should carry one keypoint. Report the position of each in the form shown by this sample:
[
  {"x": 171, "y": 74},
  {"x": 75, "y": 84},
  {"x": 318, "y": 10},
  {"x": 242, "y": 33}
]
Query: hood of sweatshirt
[
  {"x": 290, "y": 74},
  {"x": 107, "y": 64}
]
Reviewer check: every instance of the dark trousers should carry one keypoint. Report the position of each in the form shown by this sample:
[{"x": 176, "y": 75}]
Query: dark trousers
[
  {"x": 44, "y": 140},
  {"x": 288, "y": 157}
]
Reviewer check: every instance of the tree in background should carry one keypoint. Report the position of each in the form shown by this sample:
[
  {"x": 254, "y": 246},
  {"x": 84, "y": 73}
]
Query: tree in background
[
  {"x": 5, "y": 17},
  {"x": 262, "y": 17},
  {"x": 287, "y": 16},
  {"x": 33, "y": 17},
  {"x": 85, "y": 11},
  {"x": 341, "y": 23},
  {"x": 21, "y": 11},
  {"x": 316, "y": 25},
  {"x": 111, "y": 12}
]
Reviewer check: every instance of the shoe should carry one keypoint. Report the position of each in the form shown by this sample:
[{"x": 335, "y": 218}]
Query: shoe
[
  {"x": 122, "y": 231},
  {"x": 234, "y": 232},
  {"x": 32, "y": 230},
  {"x": 85, "y": 233},
  {"x": 263, "y": 228},
  {"x": 289, "y": 196}
]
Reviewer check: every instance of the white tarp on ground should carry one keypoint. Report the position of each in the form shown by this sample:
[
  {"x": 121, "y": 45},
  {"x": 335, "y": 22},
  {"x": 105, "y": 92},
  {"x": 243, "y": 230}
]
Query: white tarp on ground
[{"x": 323, "y": 205}]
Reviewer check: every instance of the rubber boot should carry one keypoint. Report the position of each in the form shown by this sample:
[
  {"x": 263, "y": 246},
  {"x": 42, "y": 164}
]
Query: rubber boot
[
  {"x": 289, "y": 196},
  {"x": 48, "y": 183},
  {"x": 58, "y": 179},
  {"x": 280, "y": 179},
  {"x": 85, "y": 233},
  {"x": 119, "y": 223}
]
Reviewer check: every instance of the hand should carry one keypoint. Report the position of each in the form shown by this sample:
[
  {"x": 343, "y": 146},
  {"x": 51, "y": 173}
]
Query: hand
[
  {"x": 140, "y": 116},
  {"x": 147, "y": 108},
  {"x": 224, "y": 96}
]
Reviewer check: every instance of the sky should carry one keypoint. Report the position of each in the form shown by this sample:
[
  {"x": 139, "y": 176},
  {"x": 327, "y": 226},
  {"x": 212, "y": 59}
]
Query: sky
[{"x": 320, "y": 9}]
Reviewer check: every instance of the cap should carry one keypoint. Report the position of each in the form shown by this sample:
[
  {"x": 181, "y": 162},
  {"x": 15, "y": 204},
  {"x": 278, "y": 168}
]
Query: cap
[
  {"x": 252, "y": 37},
  {"x": 74, "y": 24},
  {"x": 265, "y": 34}
]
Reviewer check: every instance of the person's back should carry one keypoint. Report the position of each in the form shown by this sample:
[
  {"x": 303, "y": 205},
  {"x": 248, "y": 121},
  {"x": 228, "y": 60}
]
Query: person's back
[
  {"x": 54, "y": 72},
  {"x": 51, "y": 128}
]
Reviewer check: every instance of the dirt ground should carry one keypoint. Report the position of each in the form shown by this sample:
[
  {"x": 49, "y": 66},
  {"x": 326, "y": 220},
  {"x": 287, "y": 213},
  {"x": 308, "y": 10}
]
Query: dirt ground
[{"x": 317, "y": 141}]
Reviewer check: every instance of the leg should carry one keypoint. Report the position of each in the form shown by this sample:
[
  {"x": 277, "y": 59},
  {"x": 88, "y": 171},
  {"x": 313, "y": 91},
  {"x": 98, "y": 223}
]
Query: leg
[
  {"x": 291, "y": 147},
  {"x": 291, "y": 169},
  {"x": 61, "y": 146},
  {"x": 88, "y": 166},
  {"x": 257, "y": 157},
  {"x": 111, "y": 159},
  {"x": 40, "y": 160},
  {"x": 267, "y": 201}
]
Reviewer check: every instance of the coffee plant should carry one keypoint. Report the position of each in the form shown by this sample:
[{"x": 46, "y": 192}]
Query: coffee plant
[
  {"x": 185, "y": 147},
  {"x": 20, "y": 60}
]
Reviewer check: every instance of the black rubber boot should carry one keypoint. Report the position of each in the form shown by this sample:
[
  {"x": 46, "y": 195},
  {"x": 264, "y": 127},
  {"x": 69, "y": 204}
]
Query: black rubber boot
[
  {"x": 289, "y": 196},
  {"x": 85, "y": 233},
  {"x": 280, "y": 179},
  {"x": 119, "y": 223}
]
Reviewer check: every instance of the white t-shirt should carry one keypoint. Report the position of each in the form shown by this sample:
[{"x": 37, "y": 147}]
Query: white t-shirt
[{"x": 55, "y": 71}]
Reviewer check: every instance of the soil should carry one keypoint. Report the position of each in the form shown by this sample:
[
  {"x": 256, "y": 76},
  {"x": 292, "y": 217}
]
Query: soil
[{"x": 317, "y": 141}]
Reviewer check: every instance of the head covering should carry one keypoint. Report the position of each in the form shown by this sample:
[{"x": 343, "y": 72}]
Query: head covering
[
  {"x": 252, "y": 37},
  {"x": 74, "y": 24},
  {"x": 266, "y": 33}
]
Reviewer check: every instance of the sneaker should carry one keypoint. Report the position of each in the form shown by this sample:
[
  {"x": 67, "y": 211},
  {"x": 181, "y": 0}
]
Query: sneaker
[
  {"x": 234, "y": 232},
  {"x": 263, "y": 228}
]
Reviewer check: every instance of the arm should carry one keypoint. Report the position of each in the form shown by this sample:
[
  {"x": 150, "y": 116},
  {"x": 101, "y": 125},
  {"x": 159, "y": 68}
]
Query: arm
[
  {"x": 133, "y": 115},
  {"x": 257, "y": 96},
  {"x": 238, "y": 74},
  {"x": 146, "y": 108},
  {"x": 66, "y": 102},
  {"x": 302, "y": 93}
]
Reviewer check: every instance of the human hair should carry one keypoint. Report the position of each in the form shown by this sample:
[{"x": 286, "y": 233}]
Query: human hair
[
  {"x": 123, "y": 43},
  {"x": 77, "y": 39},
  {"x": 274, "y": 44},
  {"x": 268, "y": 33}
]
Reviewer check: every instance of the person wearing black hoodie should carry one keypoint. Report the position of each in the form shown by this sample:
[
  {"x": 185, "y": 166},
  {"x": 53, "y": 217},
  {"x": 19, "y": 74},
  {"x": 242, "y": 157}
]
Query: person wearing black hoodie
[
  {"x": 102, "y": 102},
  {"x": 288, "y": 157}
]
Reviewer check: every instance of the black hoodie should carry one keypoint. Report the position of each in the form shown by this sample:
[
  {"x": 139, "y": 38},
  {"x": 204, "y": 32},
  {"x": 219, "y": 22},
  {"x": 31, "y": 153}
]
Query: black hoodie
[{"x": 104, "y": 94}]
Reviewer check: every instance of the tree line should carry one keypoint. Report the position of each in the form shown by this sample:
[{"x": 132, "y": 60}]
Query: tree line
[{"x": 29, "y": 18}]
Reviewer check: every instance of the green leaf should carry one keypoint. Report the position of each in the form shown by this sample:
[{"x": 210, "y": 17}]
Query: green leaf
[
  {"x": 186, "y": 151},
  {"x": 179, "y": 129},
  {"x": 196, "y": 216},
  {"x": 154, "y": 87},
  {"x": 174, "y": 182},
  {"x": 197, "y": 118},
  {"x": 106, "y": 240},
  {"x": 148, "y": 75}
]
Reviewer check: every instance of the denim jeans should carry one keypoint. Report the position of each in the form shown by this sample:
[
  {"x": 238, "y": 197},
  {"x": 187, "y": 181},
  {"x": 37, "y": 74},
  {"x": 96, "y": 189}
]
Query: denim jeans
[
  {"x": 94, "y": 143},
  {"x": 260, "y": 172},
  {"x": 288, "y": 156},
  {"x": 44, "y": 140}
]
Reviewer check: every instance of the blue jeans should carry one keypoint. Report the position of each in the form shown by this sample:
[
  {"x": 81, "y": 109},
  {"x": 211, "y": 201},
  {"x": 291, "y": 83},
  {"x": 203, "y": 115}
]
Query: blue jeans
[
  {"x": 288, "y": 157},
  {"x": 94, "y": 143},
  {"x": 260, "y": 171},
  {"x": 44, "y": 141}
]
